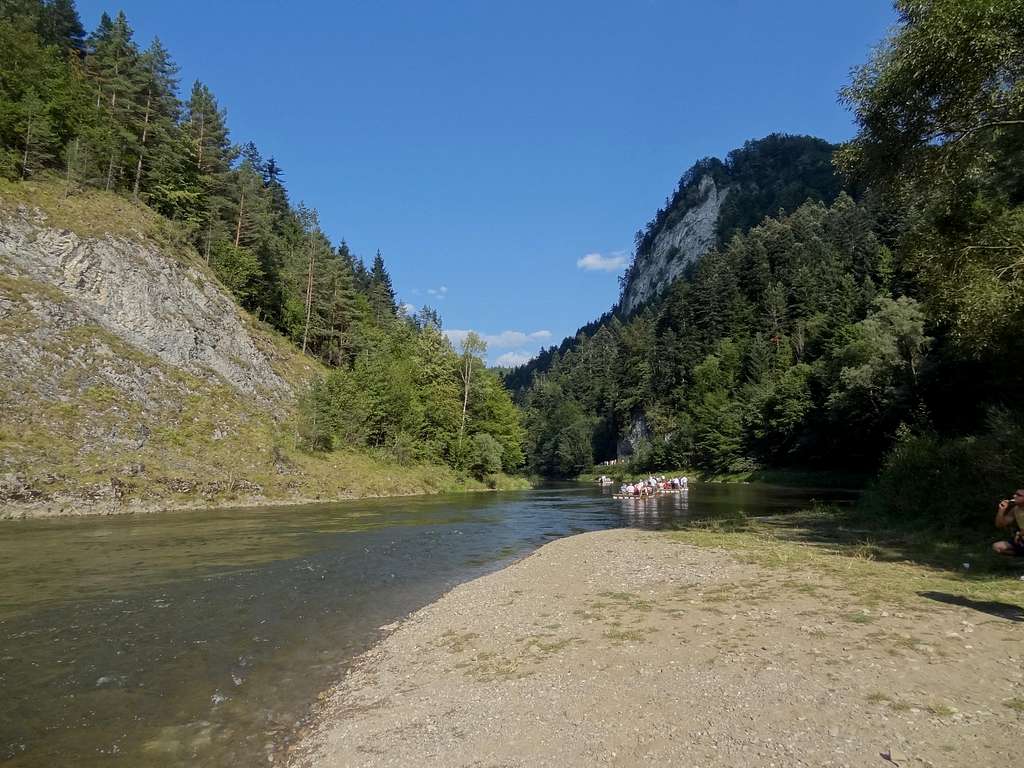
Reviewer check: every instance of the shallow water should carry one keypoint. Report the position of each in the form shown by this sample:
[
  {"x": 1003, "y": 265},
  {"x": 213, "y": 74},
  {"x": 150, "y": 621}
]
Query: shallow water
[{"x": 202, "y": 638}]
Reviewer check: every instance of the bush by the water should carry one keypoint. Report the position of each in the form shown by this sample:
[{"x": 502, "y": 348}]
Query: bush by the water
[{"x": 952, "y": 483}]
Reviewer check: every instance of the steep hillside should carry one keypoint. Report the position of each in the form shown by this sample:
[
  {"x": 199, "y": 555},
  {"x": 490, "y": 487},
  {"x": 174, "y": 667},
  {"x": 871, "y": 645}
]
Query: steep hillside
[
  {"x": 674, "y": 246},
  {"x": 714, "y": 201},
  {"x": 132, "y": 380},
  {"x": 717, "y": 199}
]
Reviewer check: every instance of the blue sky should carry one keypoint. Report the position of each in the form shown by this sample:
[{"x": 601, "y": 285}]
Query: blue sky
[{"x": 488, "y": 148}]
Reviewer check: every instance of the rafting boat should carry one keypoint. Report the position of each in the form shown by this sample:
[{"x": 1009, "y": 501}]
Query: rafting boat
[{"x": 659, "y": 492}]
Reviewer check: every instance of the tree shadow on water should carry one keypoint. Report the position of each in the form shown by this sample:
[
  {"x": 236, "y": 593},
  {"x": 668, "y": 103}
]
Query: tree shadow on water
[{"x": 1006, "y": 611}]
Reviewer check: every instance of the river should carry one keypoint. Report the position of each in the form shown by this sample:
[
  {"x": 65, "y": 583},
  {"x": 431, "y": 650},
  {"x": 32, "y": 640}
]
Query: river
[{"x": 203, "y": 638}]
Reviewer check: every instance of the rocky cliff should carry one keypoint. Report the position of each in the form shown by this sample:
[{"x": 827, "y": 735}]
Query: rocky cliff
[
  {"x": 676, "y": 245},
  {"x": 130, "y": 379},
  {"x": 172, "y": 311},
  {"x": 718, "y": 198}
]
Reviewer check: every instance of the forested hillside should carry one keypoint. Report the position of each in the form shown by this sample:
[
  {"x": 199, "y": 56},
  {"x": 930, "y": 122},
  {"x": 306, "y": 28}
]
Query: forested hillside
[
  {"x": 765, "y": 177},
  {"x": 768, "y": 177},
  {"x": 93, "y": 114},
  {"x": 885, "y": 331}
]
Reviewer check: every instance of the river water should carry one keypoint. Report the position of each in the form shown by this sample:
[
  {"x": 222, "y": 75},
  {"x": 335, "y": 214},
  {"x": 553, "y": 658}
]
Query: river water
[{"x": 202, "y": 638}]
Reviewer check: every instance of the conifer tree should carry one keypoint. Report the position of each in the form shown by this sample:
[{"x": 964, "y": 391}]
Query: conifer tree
[
  {"x": 212, "y": 155},
  {"x": 60, "y": 25},
  {"x": 161, "y": 109},
  {"x": 381, "y": 293},
  {"x": 113, "y": 63},
  {"x": 36, "y": 129}
]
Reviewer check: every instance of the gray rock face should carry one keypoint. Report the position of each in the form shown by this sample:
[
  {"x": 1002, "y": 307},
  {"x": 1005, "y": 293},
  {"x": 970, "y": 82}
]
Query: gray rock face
[
  {"x": 133, "y": 291},
  {"x": 638, "y": 435},
  {"x": 675, "y": 247}
]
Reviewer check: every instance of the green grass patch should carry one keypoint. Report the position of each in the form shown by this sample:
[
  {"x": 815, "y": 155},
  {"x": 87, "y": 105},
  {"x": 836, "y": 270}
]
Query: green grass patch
[
  {"x": 897, "y": 566},
  {"x": 93, "y": 213},
  {"x": 1016, "y": 704},
  {"x": 636, "y": 635}
]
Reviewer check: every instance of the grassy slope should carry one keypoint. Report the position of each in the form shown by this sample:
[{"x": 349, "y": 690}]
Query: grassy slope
[{"x": 206, "y": 442}]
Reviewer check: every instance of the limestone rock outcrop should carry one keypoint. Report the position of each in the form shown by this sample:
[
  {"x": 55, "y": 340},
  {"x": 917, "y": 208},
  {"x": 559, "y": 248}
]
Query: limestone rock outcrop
[
  {"x": 676, "y": 246},
  {"x": 158, "y": 305}
]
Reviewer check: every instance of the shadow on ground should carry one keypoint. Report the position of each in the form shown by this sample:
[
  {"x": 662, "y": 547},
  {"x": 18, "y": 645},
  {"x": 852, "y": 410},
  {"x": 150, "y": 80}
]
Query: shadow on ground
[
  {"x": 849, "y": 531},
  {"x": 1006, "y": 611}
]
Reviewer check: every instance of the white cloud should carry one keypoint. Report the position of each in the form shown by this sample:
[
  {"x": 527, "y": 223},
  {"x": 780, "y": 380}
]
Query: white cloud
[
  {"x": 456, "y": 336},
  {"x": 439, "y": 293},
  {"x": 503, "y": 340},
  {"x": 594, "y": 262},
  {"x": 409, "y": 309},
  {"x": 512, "y": 359},
  {"x": 510, "y": 339}
]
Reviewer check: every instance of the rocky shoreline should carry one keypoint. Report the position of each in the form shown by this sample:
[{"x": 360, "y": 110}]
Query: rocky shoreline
[
  {"x": 624, "y": 648},
  {"x": 107, "y": 506},
  {"x": 83, "y": 507}
]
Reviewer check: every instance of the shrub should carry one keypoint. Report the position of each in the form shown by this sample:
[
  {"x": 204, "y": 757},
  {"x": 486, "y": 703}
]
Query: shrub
[
  {"x": 485, "y": 455},
  {"x": 952, "y": 482}
]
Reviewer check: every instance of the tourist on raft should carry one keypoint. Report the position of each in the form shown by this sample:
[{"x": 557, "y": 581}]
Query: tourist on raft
[{"x": 1010, "y": 514}]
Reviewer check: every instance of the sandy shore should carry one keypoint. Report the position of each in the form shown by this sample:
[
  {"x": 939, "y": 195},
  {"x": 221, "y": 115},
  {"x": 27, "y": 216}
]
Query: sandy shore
[{"x": 623, "y": 648}]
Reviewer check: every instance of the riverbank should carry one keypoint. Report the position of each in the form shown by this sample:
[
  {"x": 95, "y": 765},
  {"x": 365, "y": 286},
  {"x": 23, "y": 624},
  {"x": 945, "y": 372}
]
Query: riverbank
[
  {"x": 347, "y": 477},
  {"x": 704, "y": 647}
]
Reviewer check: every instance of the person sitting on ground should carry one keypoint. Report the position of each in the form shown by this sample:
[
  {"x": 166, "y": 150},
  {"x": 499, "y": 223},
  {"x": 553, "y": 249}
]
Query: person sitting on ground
[{"x": 1010, "y": 514}]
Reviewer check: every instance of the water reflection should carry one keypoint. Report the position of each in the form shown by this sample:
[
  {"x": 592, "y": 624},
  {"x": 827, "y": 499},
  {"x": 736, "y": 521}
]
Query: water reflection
[{"x": 200, "y": 638}]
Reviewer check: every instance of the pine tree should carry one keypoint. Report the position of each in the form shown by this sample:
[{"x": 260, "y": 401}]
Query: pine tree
[
  {"x": 381, "y": 293},
  {"x": 212, "y": 155},
  {"x": 36, "y": 129},
  {"x": 113, "y": 63},
  {"x": 60, "y": 25},
  {"x": 161, "y": 108}
]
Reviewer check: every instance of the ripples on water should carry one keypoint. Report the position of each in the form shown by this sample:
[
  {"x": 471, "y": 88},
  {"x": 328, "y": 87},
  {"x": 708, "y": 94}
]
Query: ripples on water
[{"x": 201, "y": 638}]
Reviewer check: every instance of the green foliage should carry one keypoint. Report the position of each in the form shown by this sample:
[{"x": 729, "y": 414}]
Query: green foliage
[
  {"x": 879, "y": 366},
  {"x": 952, "y": 482},
  {"x": 735, "y": 366},
  {"x": 778, "y": 173},
  {"x": 941, "y": 113},
  {"x": 816, "y": 338},
  {"x": 485, "y": 455},
  {"x": 558, "y": 433},
  {"x": 236, "y": 267},
  {"x": 403, "y": 394},
  {"x": 102, "y": 113}
]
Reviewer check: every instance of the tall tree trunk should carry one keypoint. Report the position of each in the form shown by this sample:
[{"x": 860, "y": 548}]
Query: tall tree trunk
[
  {"x": 113, "y": 90},
  {"x": 120, "y": 160},
  {"x": 110, "y": 172},
  {"x": 309, "y": 297},
  {"x": 28, "y": 143},
  {"x": 238, "y": 225},
  {"x": 467, "y": 375},
  {"x": 67, "y": 188},
  {"x": 199, "y": 158},
  {"x": 142, "y": 151}
]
